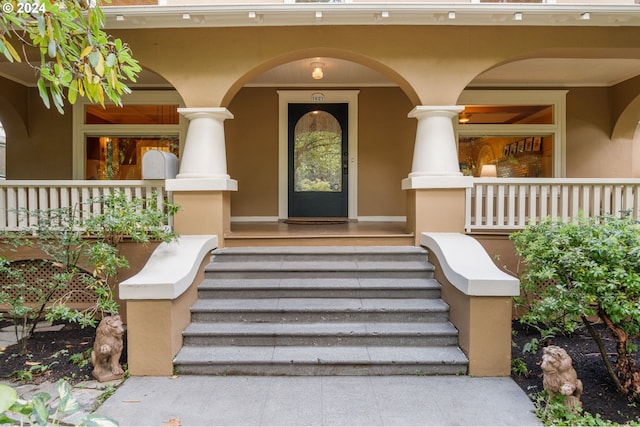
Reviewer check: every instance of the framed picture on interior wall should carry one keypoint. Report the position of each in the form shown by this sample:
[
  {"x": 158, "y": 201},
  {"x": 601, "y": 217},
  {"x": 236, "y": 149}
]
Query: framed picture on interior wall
[
  {"x": 528, "y": 144},
  {"x": 521, "y": 146},
  {"x": 505, "y": 151},
  {"x": 513, "y": 148},
  {"x": 537, "y": 143}
]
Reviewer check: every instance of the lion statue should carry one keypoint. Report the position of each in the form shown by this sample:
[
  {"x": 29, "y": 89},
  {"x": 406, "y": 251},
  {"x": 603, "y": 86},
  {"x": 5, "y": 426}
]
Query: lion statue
[
  {"x": 107, "y": 349},
  {"x": 559, "y": 377}
]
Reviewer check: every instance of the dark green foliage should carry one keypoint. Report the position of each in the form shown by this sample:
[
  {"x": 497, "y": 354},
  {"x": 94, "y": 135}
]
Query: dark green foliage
[{"x": 584, "y": 269}]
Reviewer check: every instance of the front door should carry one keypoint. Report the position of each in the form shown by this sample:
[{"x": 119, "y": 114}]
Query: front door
[{"x": 318, "y": 160}]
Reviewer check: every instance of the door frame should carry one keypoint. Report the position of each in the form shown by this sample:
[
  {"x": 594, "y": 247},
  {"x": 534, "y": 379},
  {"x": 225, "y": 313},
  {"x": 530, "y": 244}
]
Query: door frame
[{"x": 285, "y": 97}]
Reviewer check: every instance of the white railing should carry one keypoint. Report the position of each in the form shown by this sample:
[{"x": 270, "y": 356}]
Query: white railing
[
  {"x": 19, "y": 197},
  {"x": 512, "y": 203}
]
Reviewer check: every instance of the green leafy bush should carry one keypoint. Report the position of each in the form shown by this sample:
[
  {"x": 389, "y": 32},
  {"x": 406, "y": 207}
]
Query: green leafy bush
[
  {"x": 584, "y": 268},
  {"x": 554, "y": 412},
  {"x": 84, "y": 248}
]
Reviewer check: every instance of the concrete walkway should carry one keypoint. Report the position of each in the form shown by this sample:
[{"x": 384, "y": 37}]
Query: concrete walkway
[
  {"x": 314, "y": 401},
  {"x": 321, "y": 401}
]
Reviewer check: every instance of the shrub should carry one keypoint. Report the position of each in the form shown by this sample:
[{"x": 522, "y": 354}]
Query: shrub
[
  {"x": 587, "y": 267},
  {"x": 87, "y": 248}
]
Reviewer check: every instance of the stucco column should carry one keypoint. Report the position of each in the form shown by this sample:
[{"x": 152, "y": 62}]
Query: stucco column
[
  {"x": 435, "y": 152},
  {"x": 204, "y": 154},
  {"x": 202, "y": 186},
  {"x": 435, "y": 186}
]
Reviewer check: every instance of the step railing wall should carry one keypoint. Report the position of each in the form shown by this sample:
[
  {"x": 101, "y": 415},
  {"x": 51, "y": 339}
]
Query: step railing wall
[
  {"x": 512, "y": 203},
  {"x": 18, "y": 197}
]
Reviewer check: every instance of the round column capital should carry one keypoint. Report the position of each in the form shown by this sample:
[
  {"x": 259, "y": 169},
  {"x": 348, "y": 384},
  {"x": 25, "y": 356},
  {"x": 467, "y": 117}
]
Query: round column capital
[
  {"x": 218, "y": 113},
  {"x": 435, "y": 110}
]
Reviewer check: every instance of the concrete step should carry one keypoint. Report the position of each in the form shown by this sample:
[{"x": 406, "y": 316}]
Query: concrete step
[
  {"x": 318, "y": 269},
  {"x": 320, "y": 360},
  {"x": 304, "y": 287},
  {"x": 321, "y": 334},
  {"x": 316, "y": 253},
  {"x": 319, "y": 310}
]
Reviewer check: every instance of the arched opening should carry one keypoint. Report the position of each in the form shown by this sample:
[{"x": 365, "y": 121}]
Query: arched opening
[{"x": 372, "y": 163}]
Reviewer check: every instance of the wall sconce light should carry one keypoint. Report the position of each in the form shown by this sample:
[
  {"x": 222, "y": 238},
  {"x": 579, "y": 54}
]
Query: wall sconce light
[
  {"x": 452, "y": 15},
  {"x": 464, "y": 118},
  {"x": 586, "y": 16},
  {"x": 317, "y": 72},
  {"x": 517, "y": 16},
  {"x": 488, "y": 171}
]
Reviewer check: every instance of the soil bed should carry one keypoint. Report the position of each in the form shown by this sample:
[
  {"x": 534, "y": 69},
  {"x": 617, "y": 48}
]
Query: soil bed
[
  {"x": 48, "y": 356},
  {"x": 599, "y": 395}
]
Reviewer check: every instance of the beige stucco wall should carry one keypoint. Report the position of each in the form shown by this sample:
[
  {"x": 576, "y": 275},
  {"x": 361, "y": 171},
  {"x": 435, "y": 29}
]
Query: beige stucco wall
[
  {"x": 252, "y": 152},
  {"x": 590, "y": 151},
  {"x": 41, "y": 147}
]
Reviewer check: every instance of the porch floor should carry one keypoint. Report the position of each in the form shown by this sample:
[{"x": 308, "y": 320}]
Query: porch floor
[{"x": 350, "y": 233}]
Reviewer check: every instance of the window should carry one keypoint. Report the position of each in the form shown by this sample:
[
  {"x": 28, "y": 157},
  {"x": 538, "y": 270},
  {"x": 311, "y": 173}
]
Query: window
[
  {"x": 521, "y": 133},
  {"x": 109, "y": 142},
  {"x": 317, "y": 156}
]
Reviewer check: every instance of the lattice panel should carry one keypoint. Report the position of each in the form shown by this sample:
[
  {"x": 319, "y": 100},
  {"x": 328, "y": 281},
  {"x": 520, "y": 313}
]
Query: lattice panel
[{"x": 41, "y": 272}]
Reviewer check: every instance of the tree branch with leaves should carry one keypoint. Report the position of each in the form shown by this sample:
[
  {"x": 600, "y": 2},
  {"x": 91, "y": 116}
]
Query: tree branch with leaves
[{"x": 64, "y": 42}]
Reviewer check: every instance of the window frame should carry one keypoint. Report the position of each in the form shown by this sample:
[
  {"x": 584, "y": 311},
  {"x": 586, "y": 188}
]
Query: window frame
[
  {"x": 82, "y": 130},
  {"x": 556, "y": 98}
]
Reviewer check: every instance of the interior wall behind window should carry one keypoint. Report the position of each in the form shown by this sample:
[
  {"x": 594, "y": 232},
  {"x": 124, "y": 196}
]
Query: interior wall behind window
[{"x": 519, "y": 156}]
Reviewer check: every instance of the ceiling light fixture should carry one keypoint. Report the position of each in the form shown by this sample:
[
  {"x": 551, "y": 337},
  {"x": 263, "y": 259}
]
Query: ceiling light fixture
[
  {"x": 317, "y": 72},
  {"x": 517, "y": 16},
  {"x": 464, "y": 118}
]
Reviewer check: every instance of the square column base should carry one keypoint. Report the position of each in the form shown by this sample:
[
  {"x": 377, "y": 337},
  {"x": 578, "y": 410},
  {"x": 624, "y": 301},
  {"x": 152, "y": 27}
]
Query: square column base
[
  {"x": 203, "y": 212},
  {"x": 435, "y": 209}
]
